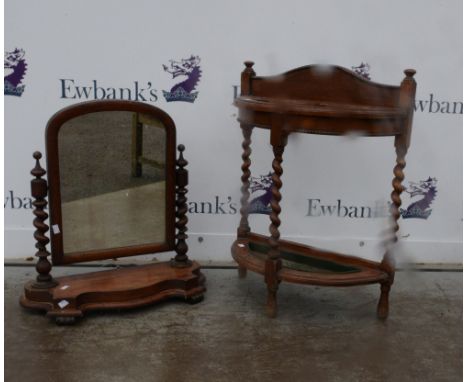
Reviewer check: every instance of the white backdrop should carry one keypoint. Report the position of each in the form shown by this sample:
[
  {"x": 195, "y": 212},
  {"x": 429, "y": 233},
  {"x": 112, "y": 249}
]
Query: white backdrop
[{"x": 120, "y": 44}]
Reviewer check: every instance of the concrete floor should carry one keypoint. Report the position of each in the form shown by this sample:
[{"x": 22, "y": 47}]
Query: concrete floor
[{"x": 321, "y": 334}]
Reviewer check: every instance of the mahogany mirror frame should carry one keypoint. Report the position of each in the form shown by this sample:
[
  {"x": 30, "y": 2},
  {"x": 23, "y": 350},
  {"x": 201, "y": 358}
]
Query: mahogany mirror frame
[{"x": 53, "y": 169}]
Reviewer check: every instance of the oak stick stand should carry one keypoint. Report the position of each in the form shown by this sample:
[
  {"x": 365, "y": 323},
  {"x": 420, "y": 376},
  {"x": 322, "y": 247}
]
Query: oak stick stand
[{"x": 329, "y": 101}]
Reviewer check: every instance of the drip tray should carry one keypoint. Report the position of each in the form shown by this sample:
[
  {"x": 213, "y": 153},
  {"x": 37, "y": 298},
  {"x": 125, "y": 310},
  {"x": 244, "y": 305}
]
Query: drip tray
[{"x": 299, "y": 262}]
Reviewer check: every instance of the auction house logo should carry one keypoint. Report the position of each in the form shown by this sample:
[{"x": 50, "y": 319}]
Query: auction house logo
[
  {"x": 184, "y": 91},
  {"x": 14, "y": 71},
  {"x": 319, "y": 208},
  {"x": 139, "y": 91},
  {"x": 261, "y": 192},
  {"x": 136, "y": 92},
  {"x": 426, "y": 190}
]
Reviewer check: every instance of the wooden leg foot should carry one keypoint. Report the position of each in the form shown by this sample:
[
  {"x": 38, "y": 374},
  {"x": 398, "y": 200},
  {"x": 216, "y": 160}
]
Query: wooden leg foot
[
  {"x": 382, "y": 308},
  {"x": 272, "y": 306},
  {"x": 272, "y": 266},
  {"x": 242, "y": 272},
  {"x": 195, "y": 299}
]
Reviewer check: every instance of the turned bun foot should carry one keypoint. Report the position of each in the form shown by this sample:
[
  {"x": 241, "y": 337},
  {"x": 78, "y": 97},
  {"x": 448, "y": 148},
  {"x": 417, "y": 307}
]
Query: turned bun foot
[
  {"x": 195, "y": 299},
  {"x": 65, "y": 320},
  {"x": 271, "y": 306}
]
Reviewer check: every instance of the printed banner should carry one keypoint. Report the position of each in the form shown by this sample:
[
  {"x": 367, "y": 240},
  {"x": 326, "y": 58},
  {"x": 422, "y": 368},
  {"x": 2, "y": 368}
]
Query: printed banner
[{"x": 336, "y": 190}]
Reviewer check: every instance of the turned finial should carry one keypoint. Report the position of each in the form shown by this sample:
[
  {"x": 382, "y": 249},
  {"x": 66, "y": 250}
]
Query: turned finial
[
  {"x": 410, "y": 72},
  {"x": 37, "y": 171},
  {"x": 246, "y": 77},
  {"x": 249, "y": 64},
  {"x": 249, "y": 68},
  {"x": 181, "y": 162}
]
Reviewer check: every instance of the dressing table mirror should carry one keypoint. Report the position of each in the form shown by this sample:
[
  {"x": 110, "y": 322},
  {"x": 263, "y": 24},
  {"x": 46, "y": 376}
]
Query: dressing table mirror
[{"x": 115, "y": 189}]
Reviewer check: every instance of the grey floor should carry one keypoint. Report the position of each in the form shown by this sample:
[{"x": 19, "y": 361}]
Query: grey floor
[{"x": 320, "y": 334}]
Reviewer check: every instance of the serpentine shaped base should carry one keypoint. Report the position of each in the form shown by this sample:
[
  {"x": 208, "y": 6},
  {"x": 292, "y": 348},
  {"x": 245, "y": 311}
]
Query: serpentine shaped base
[{"x": 122, "y": 288}]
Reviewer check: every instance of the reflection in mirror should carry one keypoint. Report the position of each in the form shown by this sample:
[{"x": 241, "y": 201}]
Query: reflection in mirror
[{"x": 112, "y": 181}]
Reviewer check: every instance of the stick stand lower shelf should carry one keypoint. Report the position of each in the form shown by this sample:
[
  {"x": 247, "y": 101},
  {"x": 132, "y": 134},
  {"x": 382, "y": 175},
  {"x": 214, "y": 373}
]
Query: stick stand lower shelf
[
  {"x": 307, "y": 265},
  {"x": 312, "y": 100}
]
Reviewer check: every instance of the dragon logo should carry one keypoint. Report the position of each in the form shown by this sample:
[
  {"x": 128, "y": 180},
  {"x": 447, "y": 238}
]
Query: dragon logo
[
  {"x": 420, "y": 208},
  {"x": 362, "y": 70},
  {"x": 261, "y": 187},
  {"x": 14, "y": 71},
  {"x": 183, "y": 91}
]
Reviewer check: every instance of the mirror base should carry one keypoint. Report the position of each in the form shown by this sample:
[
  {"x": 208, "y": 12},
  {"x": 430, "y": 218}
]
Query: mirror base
[
  {"x": 181, "y": 264},
  {"x": 45, "y": 284},
  {"x": 122, "y": 288}
]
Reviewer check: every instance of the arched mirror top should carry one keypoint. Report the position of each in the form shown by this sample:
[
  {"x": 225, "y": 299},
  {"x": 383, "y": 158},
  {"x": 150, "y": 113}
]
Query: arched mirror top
[{"x": 59, "y": 118}]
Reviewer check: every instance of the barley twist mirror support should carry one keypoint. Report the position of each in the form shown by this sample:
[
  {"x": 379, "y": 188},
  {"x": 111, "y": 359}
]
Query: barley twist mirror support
[
  {"x": 115, "y": 188},
  {"x": 327, "y": 100}
]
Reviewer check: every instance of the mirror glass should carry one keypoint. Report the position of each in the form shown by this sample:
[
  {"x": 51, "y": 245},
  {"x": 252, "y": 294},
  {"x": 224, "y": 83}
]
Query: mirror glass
[{"x": 112, "y": 181}]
